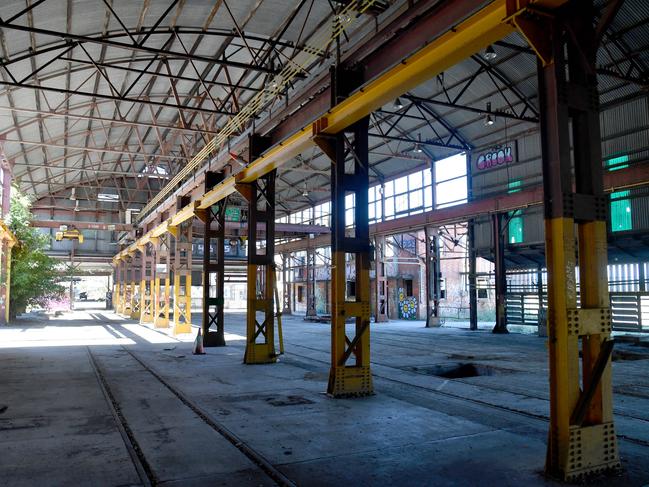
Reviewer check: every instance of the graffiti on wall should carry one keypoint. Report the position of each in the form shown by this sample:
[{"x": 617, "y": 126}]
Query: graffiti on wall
[{"x": 407, "y": 306}]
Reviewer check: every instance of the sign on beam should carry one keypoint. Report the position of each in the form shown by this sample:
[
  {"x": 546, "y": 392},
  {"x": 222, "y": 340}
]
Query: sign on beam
[
  {"x": 233, "y": 214},
  {"x": 494, "y": 158}
]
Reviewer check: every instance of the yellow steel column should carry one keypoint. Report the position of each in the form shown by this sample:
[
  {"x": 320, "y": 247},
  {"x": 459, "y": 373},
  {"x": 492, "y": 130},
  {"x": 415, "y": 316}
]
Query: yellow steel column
[
  {"x": 135, "y": 287},
  {"x": 115, "y": 285},
  {"x": 260, "y": 336},
  {"x": 10, "y": 244},
  {"x": 563, "y": 343},
  {"x": 182, "y": 277},
  {"x": 147, "y": 293},
  {"x": 350, "y": 373},
  {"x": 162, "y": 281},
  {"x": 119, "y": 288},
  {"x": 582, "y": 437},
  {"x": 594, "y": 295},
  {"x": 128, "y": 289}
]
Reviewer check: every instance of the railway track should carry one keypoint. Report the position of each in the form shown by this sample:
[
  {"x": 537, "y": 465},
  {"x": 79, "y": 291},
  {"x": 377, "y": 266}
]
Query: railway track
[
  {"x": 437, "y": 392},
  {"x": 142, "y": 465}
]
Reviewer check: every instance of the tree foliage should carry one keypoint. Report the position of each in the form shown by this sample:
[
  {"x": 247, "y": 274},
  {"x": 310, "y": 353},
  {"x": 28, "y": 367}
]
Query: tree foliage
[{"x": 34, "y": 276}]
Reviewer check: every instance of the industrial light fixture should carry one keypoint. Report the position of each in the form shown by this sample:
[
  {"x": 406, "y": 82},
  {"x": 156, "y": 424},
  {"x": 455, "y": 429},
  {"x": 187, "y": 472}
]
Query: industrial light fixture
[
  {"x": 73, "y": 194},
  {"x": 418, "y": 149},
  {"x": 344, "y": 17},
  {"x": 107, "y": 197},
  {"x": 489, "y": 53},
  {"x": 76, "y": 205},
  {"x": 440, "y": 80},
  {"x": 398, "y": 105},
  {"x": 489, "y": 120},
  {"x": 305, "y": 193}
]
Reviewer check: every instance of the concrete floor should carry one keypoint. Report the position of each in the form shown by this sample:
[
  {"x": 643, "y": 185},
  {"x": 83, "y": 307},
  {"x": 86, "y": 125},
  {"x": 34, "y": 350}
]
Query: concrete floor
[{"x": 92, "y": 399}]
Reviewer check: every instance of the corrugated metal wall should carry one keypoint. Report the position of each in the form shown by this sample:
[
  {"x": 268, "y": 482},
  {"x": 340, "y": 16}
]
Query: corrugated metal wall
[{"x": 625, "y": 132}]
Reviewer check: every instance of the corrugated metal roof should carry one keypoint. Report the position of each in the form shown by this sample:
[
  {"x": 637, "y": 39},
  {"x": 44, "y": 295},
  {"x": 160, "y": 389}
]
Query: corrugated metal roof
[{"x": 507, "y": 82}]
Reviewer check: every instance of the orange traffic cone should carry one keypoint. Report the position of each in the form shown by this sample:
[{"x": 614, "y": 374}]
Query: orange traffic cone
[{"x": 198, "y": 344}]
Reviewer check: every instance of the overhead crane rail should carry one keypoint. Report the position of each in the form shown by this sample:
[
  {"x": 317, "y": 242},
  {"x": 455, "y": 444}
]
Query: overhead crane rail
[
  {"x": 293, "y": 69},
  {"x": 478, "y": 31}
]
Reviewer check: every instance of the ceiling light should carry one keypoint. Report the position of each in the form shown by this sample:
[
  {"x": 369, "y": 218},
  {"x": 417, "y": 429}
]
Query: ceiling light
[
  {"x": 418, "y": 149},
  {"x": 489, "y": 53},
  {"x": 76, "y": 205},
  {"x": 73, "y": 194},
  {"x": 489, "y": 120},
  {"x": 398, "y": 105},
  {"x": 344, "y": 18},
  {"x": 107, "y": 197}
]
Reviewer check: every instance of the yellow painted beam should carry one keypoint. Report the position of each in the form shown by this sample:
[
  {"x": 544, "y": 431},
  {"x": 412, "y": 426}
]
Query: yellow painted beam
[
  {"x": 184, "y": 214},
  {"x": 160, "y": 229},
  {"x": 469, "y": 37},
  {"x": 276, "y": 157},
  {"x": 485, "y": 27},
  {"x": 218, "y": 193}
]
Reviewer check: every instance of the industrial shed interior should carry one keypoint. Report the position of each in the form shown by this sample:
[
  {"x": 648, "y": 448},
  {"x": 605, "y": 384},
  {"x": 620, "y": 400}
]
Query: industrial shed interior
[{"x": 328, "y": 242}]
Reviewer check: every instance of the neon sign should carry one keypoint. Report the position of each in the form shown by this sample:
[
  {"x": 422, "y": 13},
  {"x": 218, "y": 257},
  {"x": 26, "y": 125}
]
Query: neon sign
[{"x": 496, "y": 158}]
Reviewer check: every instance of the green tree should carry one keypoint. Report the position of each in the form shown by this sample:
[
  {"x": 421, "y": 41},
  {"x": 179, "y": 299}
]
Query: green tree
[{"x": 34, "y": 275}]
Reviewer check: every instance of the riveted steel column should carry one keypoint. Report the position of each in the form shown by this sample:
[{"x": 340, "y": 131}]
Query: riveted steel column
[
  {"x": 117, "y": 284},
  {"x": 286, "y": 285},
  {"x": 128, "y": 291},
  {"x": 500, "y": 271},
  {"x": 310, "y": 282},
  {"x": 350, "y": 373},
  {"x": 147, "y": 311},
  {"x": 433, "y": 273},
  {"x": 136, "y": 280},
  {"x": 214, "y": 267},
  {"x": 381, "y": 282},
  {"x": 260, "y": 331},
  {"x": 124, "y": 285},
  {"x": 162, "y": 281},
  {"x": 182, "y": 269},
  {"x": 473, "y": 291},
  {"x": 582, "y": 434},
  {"x": 7, "y": 295}
]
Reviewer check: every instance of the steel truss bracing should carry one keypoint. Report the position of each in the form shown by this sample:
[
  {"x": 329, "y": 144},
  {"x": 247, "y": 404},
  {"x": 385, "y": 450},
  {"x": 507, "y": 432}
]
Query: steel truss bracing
[
  {"x": 182, "y": 272},
  {"x": 162, "y": 281},
  {"x": 381, "y": 282},
  {"x": 260, "y": 321},
  {"x": 582, "y": 433},
  {"x": 213, "y": 267},
  {"x": 350, "y": 353},
  {"x": 63, "y": 64},
  {"x": 147, "y": 311}
]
